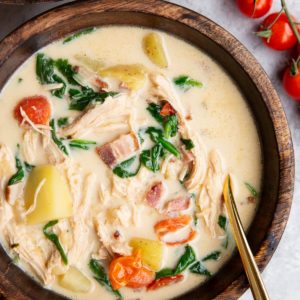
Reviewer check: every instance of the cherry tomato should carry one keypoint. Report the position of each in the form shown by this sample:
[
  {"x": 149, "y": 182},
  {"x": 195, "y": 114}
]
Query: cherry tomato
[
  {"x": 123, "y": 269},
  {"x": 254, "y": 8},
  {"x": 141, "y": 279},
  {"x": 165, "y": 281},
  {"x": 37, "y": 109},
  {"x": 280, "y": 35},
  {"x": 167, "y": 110},
  {"x": 291, "y": 82}
]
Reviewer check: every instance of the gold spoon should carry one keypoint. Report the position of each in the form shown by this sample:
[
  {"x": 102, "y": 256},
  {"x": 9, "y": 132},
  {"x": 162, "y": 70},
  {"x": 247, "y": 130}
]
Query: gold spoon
[{"x": 258, "y": 289}]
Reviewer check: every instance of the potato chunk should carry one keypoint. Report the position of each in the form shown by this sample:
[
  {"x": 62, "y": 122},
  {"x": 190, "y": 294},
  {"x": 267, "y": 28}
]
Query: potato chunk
[
  {"x": 151, "y": 250},
  {"x": 153, "y": 47},
  {"x": 47, "y": 196},
  {"x": 132, "y": 76},
  {"x": 75, "y": 281}
]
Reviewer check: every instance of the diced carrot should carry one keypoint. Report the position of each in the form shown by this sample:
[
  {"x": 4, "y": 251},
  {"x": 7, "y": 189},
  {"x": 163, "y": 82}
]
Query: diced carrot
[{"x": 189, "y": 238}]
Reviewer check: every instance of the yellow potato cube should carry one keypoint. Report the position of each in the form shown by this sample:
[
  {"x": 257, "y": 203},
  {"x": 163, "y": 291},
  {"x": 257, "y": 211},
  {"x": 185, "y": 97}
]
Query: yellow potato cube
[
  {"x": 75, "y": 281},
  {"x": 153, "y": 47},
  {"x": 47, "y": 196},
  {"x": 133, "y": 76},
  {"x": 151, "y": 250}
]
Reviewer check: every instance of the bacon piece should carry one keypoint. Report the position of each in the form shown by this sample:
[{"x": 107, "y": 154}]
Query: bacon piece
[
  {"x": 154, "y": 194},
  {"x": 118, "y": 150},
  {"x": 177, "y": 204},
  {"x": 101, "y": 84}
]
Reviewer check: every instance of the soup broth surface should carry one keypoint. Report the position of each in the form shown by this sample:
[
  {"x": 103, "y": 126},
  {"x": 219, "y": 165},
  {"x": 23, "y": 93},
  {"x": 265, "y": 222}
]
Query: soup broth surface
[{"x": 109, "y": 211}]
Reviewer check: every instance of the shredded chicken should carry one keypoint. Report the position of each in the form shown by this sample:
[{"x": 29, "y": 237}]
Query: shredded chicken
[
  {"x": 31, "y": 139},
  {"x": 98, "y": 116},
  {"x": 14, "y": 192},
  {"x": 7, "y": 162},
  {"x": 210, "y": 197}
]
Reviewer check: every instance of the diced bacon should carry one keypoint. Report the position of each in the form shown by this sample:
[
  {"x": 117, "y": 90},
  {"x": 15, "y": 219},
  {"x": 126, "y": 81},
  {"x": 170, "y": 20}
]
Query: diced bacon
[
  {"x": 118, "y": 150},
  {"x": 154, "y": 194},
  {"x": 178, "y": 204}
]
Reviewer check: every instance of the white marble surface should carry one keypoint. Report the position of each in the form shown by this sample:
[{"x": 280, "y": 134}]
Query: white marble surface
[{"x": 283, "y": 272}]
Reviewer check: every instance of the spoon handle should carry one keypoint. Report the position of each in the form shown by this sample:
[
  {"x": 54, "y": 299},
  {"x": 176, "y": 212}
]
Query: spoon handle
[{"x": 258, "y": 289}]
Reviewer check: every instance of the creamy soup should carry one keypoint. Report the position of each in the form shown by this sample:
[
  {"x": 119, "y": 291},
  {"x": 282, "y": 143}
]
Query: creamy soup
[{"x": 115, "y": 146}]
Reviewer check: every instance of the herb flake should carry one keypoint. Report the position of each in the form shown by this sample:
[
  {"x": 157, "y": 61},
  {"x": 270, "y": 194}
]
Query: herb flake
[{"x": 78, "y": 34}]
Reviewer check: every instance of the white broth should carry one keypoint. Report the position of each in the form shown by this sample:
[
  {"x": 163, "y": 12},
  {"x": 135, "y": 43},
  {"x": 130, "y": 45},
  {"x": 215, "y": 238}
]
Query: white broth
[{"x": 106, "y": 211}]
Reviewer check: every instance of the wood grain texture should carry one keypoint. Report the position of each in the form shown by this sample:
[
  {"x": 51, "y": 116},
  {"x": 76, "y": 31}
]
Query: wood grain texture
[{"x": 278, "y": 173}]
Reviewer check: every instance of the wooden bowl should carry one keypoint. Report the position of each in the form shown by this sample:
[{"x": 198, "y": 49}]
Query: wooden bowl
[
  {"x": 278, "y": 172},
  {"x": 26, "y": 1}
]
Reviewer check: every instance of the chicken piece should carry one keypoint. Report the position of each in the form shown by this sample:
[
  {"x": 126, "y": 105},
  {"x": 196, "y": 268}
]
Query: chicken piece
[
  {"x": 14, "y": 192},
  {"x": 97, "y": 116},
  {"x": 111, "y": 245},
  {"x": 210, "y": 197},
  {"x": 121, "y": 215},
  {"x": 54, "y": 155},
  {"x": 31, "y": 139},
  {"x": 154, "y": 194},
  {"x": 119, "y": 150},
  {"x": 7, "y": 162}
]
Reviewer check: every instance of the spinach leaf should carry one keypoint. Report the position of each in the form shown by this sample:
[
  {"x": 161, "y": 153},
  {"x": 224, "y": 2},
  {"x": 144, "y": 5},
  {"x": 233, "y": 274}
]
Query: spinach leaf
[
  {"x": 170, "y": 126},
  {"x": 154, "y": 110},
  {"x": 252, "y": 190},
  {"x": 81, "y": 99},
  {"x": 164, "y": 273},
  {"x": 186, "y": 260},
  {"x": 121, "y": 169},
  {"x": 222, "y": 222},
  {"x": 54, "y": 239},
  {"x": 215, "y": 255},
  {"x": 62, "y": 122},
  {"x": 78, "y": 34},
  {"x": 169, "y": 146},
  {"x": 188, "y": 143},
  {"x": 66, "y": 69},
  {"x": 56, "y": 139},
  {"x": 19, "y": 175},
  {"x": 81, "y": 144},
  {"x": 185, "y": 82},
  {"x": 199, "y": 268},
  {"x": 156, "y": 136},
  {"x": 101, "y": 276},
  {"x": 151, "y": 158},
  {"x": 46, "y": 75}
]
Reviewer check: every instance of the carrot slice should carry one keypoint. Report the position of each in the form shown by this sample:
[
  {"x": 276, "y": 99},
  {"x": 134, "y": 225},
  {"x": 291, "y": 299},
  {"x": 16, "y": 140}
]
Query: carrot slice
[
  {"x": 189, "y": 238},
  {"x": 142, "y": 278}
]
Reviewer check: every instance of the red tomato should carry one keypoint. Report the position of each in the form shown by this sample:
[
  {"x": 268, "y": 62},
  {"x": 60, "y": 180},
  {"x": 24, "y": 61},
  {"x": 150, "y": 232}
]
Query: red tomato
[
  {"x": 254, "y": 8},
  {"x": 123, "y": 268},
  {"x": 141, "y": 279},
  {"x": 291, "y": 83},
  {"x": 167, "y": 110},
  {"x": 165, "y": 281},
  {"x": 280, "y": 35},
  {"x": 37, "y": 109}
]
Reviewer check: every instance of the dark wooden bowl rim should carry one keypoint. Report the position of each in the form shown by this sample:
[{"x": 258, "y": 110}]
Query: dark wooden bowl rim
[{"x": 261, "y": 96}]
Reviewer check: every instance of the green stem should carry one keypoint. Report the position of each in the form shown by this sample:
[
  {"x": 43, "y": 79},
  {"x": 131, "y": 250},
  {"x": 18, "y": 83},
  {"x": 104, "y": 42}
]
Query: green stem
[
  {"x": 276, "y": 19},
  {"x": 292, "y": 23}
]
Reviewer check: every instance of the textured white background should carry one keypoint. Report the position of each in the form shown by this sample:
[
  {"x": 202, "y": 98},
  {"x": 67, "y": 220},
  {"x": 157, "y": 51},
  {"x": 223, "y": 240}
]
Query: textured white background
[{"x": 282, "y": 276}]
